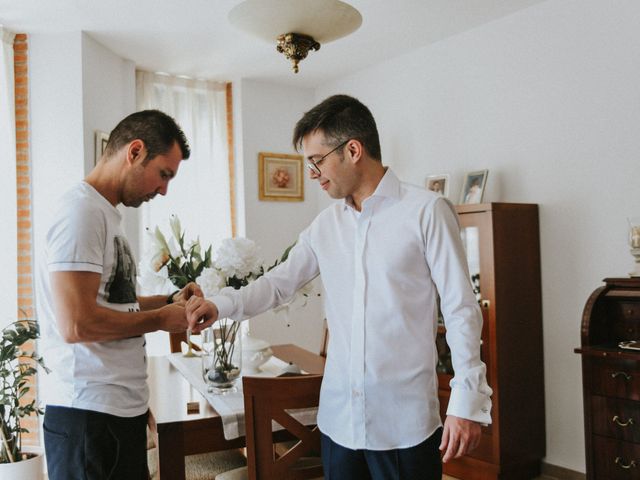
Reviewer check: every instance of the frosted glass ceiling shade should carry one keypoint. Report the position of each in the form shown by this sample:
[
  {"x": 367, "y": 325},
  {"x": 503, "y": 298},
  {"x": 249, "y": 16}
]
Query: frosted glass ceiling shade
[{"x": 297, "y": 25}]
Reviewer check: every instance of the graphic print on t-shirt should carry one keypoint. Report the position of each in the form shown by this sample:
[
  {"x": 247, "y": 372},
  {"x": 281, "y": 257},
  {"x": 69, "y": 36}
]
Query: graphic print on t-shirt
[{"x": 121, "y": 286}]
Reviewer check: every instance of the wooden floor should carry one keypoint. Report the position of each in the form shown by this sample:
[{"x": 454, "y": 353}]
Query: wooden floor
[{"x": 543, "y": 477}]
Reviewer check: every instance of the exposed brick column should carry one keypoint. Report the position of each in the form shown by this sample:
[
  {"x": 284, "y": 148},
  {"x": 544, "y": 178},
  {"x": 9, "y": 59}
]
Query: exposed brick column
[
  {"x": 23, "y": 171},
  {"x": 232, "y": 168}
]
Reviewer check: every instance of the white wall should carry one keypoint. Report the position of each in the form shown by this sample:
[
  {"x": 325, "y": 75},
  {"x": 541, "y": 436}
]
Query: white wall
[
  {"x": 268, "y": 114},
  {"x": 546, "y": 99},
  {"x": 108, "y": 92}
]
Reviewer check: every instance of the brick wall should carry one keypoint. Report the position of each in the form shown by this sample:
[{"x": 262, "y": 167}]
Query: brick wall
[{"x": 23, "y": 171}]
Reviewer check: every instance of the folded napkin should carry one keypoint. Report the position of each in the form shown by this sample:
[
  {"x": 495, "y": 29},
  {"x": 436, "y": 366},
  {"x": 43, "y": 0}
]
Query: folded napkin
[{"x": 230, "y": 406}]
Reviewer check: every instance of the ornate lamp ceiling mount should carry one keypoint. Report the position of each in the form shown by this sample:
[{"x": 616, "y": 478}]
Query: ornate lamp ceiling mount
[{"x": 298, "y": 26}]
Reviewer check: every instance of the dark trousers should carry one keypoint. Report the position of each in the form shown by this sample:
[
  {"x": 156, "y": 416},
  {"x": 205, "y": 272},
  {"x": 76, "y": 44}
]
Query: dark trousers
[
  {"x": 87, "y": 445},
  {"x": 421, "y": 462}
]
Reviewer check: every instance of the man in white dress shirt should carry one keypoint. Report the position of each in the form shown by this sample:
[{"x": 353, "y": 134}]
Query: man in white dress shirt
[{"x": 384, "y": 255}]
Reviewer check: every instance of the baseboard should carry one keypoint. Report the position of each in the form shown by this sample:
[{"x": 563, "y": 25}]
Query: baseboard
[{"x": 560, "y": 473}]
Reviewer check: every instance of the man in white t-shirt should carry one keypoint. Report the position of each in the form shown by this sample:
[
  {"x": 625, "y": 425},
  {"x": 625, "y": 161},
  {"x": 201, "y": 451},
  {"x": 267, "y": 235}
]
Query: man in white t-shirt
[{"x": 93, "y": 323}]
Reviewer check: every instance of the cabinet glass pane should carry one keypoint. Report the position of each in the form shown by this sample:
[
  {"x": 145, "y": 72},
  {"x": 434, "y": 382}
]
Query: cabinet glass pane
[{"x": 471, "y": 241}]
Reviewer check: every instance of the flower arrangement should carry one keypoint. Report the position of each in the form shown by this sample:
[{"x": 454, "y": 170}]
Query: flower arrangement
[
  {"x": 172, "y": 263},
  {"x": 16, "y": 366}
]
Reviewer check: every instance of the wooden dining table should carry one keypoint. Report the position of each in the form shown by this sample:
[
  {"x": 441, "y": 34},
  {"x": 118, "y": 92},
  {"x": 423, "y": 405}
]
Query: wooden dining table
[{"x": 186, "y": 424}]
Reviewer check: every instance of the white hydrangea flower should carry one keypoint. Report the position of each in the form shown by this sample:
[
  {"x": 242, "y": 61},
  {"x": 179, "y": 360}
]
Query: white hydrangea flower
[
  {"x": 211, "y": 281},
  {"x": 238, "y": 257}
]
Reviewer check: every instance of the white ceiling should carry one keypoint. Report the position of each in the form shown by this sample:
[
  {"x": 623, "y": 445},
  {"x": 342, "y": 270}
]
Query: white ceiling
[{"x": 194, "y": 37}]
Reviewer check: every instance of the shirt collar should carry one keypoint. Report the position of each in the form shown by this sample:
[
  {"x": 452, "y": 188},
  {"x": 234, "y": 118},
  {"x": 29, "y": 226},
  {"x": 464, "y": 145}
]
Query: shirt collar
[{"x": 389, "y": 187}]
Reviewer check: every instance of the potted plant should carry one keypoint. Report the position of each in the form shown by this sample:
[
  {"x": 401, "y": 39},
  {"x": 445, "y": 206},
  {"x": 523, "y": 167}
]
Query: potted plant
[{"x": 18, "y": 362}]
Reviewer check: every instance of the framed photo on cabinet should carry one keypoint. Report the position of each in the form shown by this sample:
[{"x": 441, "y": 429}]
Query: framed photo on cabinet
[
  {"x": 280, "y": 177},
  {"x": 473, "y": 187},
  {"x": 438, "y": 184}
]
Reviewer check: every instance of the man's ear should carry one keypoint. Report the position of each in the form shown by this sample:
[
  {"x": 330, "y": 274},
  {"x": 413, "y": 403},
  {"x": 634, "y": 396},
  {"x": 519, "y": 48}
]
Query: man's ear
[
  {"x": 355, "y": 150},
  {"x": 136, "y": 151}
]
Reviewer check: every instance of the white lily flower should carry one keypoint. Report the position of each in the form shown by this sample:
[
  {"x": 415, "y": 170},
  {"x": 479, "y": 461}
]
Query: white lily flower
[{"x": 174, "y": 222}]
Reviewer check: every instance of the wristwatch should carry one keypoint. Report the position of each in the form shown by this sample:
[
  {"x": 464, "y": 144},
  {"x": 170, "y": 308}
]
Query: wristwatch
[{"x": 170, "y": 297}]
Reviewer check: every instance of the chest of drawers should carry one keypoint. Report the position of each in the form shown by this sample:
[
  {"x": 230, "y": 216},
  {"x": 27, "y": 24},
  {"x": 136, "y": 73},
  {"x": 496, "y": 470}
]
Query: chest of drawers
[{"x": 611, "y": 380}]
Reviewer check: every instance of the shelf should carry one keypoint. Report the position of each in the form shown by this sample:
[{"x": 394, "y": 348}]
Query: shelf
[{"x": 611, "y": 351}]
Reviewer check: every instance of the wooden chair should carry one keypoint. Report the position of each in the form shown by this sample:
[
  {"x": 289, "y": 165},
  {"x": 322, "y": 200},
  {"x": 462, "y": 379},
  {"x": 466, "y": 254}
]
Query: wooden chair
[
  {"x": 324, "y": 346},
  {"x": 270, "y": 399}
]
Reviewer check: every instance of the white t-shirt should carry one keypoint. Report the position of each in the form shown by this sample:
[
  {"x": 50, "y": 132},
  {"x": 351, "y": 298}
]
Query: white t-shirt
[{"x": 108, "y": 377}]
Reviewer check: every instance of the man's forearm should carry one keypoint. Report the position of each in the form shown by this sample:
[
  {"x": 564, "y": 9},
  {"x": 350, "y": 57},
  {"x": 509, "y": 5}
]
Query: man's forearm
[{"x": 152, "y": 302}]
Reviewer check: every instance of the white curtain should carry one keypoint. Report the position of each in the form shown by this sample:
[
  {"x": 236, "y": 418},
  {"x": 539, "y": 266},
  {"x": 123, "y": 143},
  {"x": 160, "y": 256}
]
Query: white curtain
[
  {"x": 200, "y": 194},
  {"x": 8, "y": 240}
]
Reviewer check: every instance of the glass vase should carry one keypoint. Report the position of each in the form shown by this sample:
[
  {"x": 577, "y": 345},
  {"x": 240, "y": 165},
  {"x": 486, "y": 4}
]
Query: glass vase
[{"x": 221, "y": 355}]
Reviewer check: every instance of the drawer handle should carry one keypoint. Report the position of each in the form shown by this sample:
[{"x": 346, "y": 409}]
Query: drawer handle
[
  {"x": 632, "y": 464},
  {"x": 621, "y": 374},
  {"x": 617, "y": 421}
]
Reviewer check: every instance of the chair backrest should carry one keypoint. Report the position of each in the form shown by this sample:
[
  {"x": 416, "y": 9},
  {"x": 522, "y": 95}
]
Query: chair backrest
[
  {"x": 268, "y": 399},
  {"x": 175, "y": 339},
  {"x": 324, "y": 346}
]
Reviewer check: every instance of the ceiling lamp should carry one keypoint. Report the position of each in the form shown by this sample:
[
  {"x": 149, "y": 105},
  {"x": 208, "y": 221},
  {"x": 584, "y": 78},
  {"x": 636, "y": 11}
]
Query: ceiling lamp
[{"x": 297, "y": 26}]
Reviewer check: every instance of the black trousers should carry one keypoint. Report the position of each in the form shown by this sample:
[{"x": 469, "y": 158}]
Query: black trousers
[
  {"x": 87, "y": 445},
  {"x": 421, "y": 462}
]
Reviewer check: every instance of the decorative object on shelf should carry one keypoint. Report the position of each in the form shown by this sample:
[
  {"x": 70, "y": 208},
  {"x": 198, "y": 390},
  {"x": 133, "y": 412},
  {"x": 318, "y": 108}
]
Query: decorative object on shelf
[
  {"x": 255, "y": 353},
  {"x": 473, "y": 187},
  {"x": 438, "y": 184},
  {"x": 298, "y": 26},
  {"x": 634, "y": 243},
  {"x": 101, "y": 139},
  {"x": 280, "y": 177},
  {"x": 18, "y": 364}
]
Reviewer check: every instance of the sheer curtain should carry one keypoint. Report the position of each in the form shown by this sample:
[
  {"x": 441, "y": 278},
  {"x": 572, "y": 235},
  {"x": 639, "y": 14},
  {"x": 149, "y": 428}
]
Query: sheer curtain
[
  {"x": 200, "y": 193},
  {"x": 8, "y": 244}
]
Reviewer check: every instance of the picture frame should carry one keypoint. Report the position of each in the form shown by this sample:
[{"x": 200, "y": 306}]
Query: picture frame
[
  {"x": 280, "y": 177},
  {"x": 473, "y": 187},
  {"x": 438, "y": 184},
  {"x": 101, "y": 139}
]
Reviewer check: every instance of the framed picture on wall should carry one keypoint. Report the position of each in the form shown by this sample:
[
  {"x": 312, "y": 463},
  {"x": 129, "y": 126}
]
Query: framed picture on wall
[
  {"x": 280, "y": 177},
  {"x": 438, "y": 184},
  {"x": 101, "y": 144},
  {"x": 473, "y": 187}
]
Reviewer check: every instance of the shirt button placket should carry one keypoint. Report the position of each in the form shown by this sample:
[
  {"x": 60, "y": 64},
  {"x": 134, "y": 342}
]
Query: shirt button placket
[{"x": 358, "y": 332}]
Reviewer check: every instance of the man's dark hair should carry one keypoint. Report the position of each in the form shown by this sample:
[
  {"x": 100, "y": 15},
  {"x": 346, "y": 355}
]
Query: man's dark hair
[
  {"x": 156, "y": 129},
  {"x": 340, "y": 118}
]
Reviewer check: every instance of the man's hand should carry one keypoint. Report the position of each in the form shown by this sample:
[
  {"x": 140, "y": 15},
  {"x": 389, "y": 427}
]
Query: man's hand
[
  {"x": 190, "y": 289},
  {"x": 200, "y": 313},
  {"x": 459, "y": 437},
  {"x": 174, "y": 318}
]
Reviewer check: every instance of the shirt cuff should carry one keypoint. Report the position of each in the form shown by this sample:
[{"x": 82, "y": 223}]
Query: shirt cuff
[
  {"x": 224, "y": 304},
  {"x": 470, "y": 405}
]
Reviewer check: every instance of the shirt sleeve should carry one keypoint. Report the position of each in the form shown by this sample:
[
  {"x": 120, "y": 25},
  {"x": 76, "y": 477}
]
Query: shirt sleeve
[
  {"x": 445, "y": 255},
  {"x": 76, "y": 240},
  {"x": 274, "y": 288}
]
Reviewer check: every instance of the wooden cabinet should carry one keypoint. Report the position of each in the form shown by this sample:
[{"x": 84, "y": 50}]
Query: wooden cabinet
[
  {"x": 611, "y": 380},
  {"x": 503, "y": 248}
]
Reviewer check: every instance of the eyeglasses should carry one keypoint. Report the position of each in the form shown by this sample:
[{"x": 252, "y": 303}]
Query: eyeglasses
[{"x": 313, "y": 164}]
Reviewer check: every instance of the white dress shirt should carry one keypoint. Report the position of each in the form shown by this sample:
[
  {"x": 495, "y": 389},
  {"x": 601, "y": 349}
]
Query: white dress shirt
[{"x": 382, "y": 269}]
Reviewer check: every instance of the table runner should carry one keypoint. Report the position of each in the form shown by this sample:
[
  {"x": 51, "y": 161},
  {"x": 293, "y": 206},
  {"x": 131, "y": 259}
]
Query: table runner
[{"x": 230, "y": 406}]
